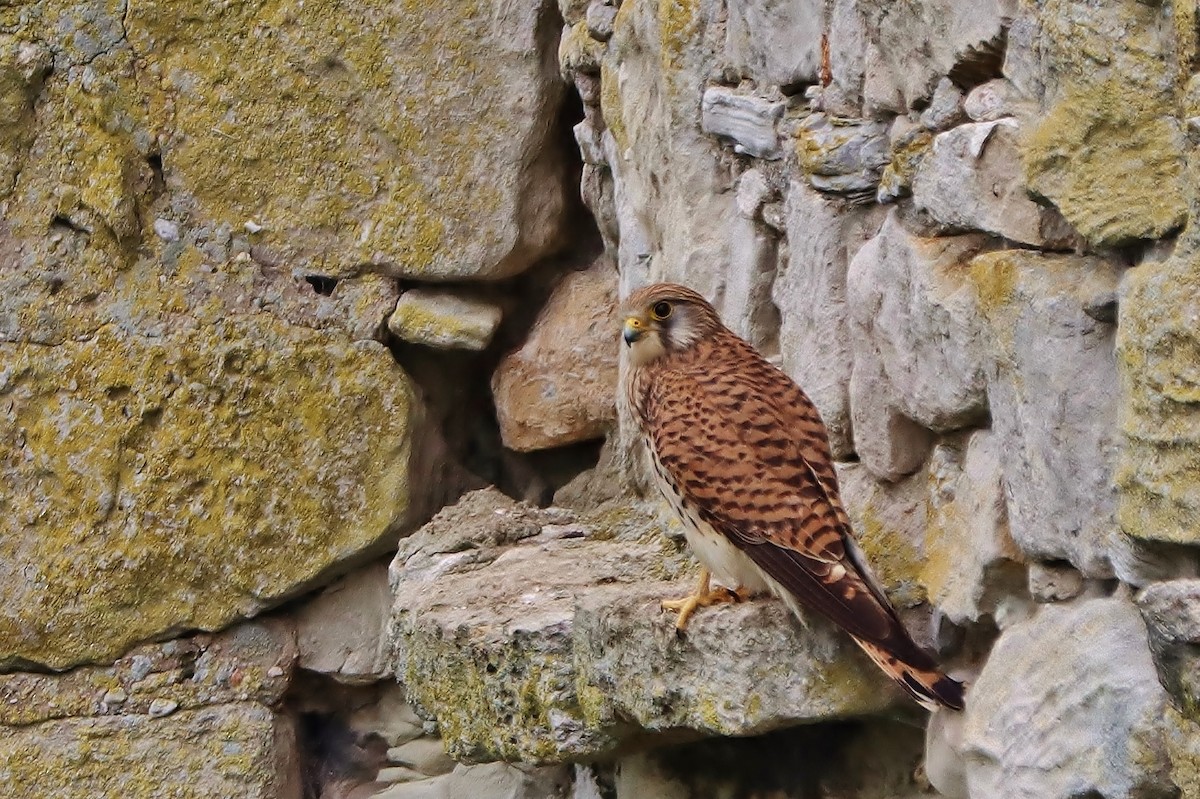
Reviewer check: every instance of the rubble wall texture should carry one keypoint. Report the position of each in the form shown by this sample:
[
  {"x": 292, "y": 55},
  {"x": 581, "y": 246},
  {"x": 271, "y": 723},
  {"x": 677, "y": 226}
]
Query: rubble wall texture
[{"x": 313, "y": 484}]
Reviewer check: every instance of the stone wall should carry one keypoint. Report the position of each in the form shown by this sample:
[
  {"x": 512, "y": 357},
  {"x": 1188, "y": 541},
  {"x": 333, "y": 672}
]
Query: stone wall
[{"x": 312, "y": 483}]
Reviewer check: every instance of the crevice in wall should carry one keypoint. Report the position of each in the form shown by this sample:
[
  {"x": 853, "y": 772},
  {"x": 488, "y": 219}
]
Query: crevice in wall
[
  {"x": 456, "y": 384},
  {"x": 981, "y": 63},
  {"x": 335, "y": 755}
]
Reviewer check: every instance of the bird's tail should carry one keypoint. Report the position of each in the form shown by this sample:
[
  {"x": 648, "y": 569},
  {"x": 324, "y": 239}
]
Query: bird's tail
[{"x": 924, "y": 683}]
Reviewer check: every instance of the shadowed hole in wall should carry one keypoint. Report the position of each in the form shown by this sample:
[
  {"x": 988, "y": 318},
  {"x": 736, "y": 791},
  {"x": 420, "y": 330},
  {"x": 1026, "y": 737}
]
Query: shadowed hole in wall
[
  {"x": 321, "y": 284},
  {"x": 334, "y": 756}
]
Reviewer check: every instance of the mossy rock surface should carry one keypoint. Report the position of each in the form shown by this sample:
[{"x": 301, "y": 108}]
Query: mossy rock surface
[
  {"x": 1158, "y": 348},
  {"x": 162, "y": 484},
  {"x": 536, "y": 636},
  {"x": 1108, "y": 151},
  {"x": 240, "y": 750}
]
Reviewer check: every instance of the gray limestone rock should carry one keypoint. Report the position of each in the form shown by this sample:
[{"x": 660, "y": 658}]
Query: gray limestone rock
[
  {"x": 972, "y": 180},
  {"x": 600, "y": 16},
  {"x": 748, "y": 121},
  {"x": 505, "y": 781},
  {"x": 889, "y": 444},
  {"x": 916, "y": 329},
  {"x": 810, "y": 292},
  {"x": 919, "y": 43},
  {"x": 1068, "y": 705},
  {"x": 534, "y": 647},
  {"x": 1052, "y": 383},
  {"x": 340, "y": 632},
  {"x": 847, "y": 51},
  {"x": 843, "y": 157},
  {"x": 994, "y": 100},
  {"x": 945, "y": 108},
  {"x": 973, "y": 568},
  {"x": 1172, "y": 614},
  {"x": 775, "y": 42},
  {"x": 1051, "y": 582},
  {"x": 746, "y": 307}
]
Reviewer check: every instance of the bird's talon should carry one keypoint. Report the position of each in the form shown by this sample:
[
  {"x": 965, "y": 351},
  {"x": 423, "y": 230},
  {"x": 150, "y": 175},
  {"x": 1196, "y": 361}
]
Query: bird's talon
[{"x": 701, "y": 599}]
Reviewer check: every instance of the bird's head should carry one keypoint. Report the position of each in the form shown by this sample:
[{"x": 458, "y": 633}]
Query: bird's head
[{"x": 665, "y": 319}]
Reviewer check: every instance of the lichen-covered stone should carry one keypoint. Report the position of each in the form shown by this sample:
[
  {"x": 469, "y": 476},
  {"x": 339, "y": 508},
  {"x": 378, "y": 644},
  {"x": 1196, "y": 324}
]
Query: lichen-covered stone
[
  {"x": 350, "y": 132},
  {"x": 1108, "y": 150},
  {"x": 444, "y": 320},
  {"x": 890, "y": 521},
  {"x": 163, "y": 483},
  {"x": 23, "y": 68},
  {"x": 542, "y": 641},
  {"x": 1183, "y": 747},
  {"x": 1158, "y": 346},
  {"x": 242, "y": 750},
  {"x": 560, "y": 387},
  {"x": 843, "y": 157},
  {"x": 249, "y": 663}
]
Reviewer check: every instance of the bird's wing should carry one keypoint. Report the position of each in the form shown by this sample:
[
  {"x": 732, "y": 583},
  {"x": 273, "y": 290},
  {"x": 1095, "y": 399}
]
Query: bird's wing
[{"x": 734, "y": 440}]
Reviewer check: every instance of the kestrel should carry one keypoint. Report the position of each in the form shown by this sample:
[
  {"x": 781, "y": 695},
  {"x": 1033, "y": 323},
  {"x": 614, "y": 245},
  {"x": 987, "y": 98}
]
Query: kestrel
[{"x": 741, "y": 454}]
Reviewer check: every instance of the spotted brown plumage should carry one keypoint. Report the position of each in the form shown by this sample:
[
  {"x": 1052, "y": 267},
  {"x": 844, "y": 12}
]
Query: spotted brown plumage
[{"x": 741, "y": 454}]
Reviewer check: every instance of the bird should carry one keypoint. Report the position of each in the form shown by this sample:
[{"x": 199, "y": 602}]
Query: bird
[{"x": 743, "y": 458}]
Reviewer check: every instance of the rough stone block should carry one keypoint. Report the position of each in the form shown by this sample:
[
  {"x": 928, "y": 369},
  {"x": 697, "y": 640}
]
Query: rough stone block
[
  {"x": 356, "y": 129},
  {"x": 342, "y": 630},
  {"x": 1052, "y": 392},
  {"x": 560, "y": 387},
  {"x": 776, "y": 42},
  {"x": 545, "y": 643},
  {"x": 810, "y": 292},
  {"x": 444, "y": 320},
  {"x": 748, "y": 121},
  {"x": 1068, "y": 703},
  {"x": 1158, "y": 346},
  {"x": 971, "y": 180},
  {"x": 916, "y": 325},
  {"x": 152, "y": 482},
  {"x": 1107, "y": 149}
]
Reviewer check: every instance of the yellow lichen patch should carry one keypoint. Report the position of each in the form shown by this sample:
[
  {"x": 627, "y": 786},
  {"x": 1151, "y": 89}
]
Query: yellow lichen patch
[
  {"x": 610, "y": 106},
  {"x": 893, "y": 557},
  {"x": 229, "y": 750},
  {"x": 1109, "y": 157},
  {"x": 160, "y": 484},
  {"x": 355, "y": 133},
  {"x": 1158, "y": 345},
  {"x": 578, "y": 51},
  {"x": 678, "y": 22},
  {"x": 498, "y": 700},
  {"x": 994, "y": 276}
]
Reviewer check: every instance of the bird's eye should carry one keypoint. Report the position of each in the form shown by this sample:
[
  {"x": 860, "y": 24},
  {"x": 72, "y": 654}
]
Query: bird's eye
[{"x": 661, "y": 310}]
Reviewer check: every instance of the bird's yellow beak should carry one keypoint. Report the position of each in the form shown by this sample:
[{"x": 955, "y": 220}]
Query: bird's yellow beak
[{"x": 633, "y": 329}]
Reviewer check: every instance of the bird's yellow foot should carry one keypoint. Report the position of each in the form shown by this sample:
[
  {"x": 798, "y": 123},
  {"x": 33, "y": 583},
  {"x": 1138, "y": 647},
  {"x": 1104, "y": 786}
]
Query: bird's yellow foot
[{"x": 702, "y": 597}]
